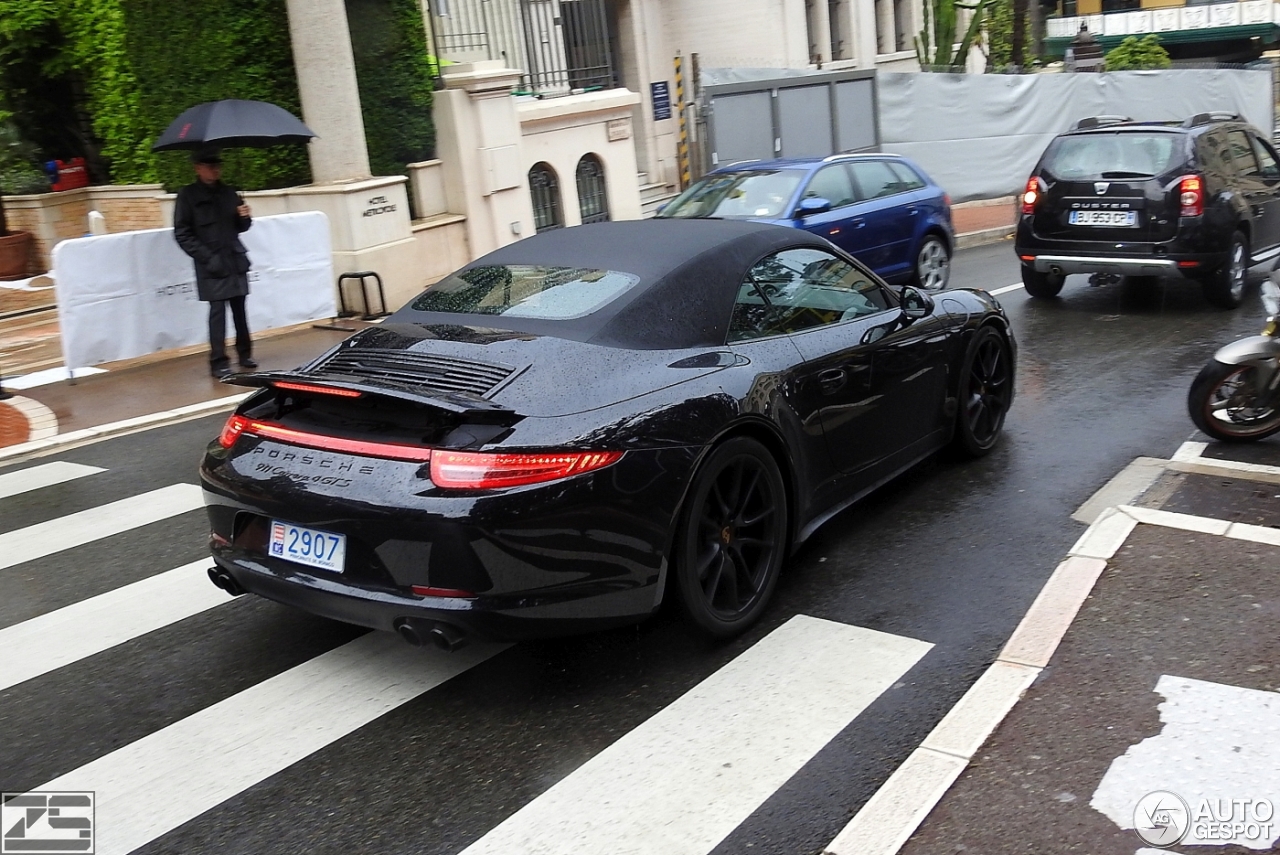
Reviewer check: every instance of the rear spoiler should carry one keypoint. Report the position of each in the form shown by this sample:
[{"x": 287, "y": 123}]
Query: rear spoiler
[{"x": 458, "y": 403}]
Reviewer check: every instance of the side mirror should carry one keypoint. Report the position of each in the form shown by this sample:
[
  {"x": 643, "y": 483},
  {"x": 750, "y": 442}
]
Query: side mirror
[
  {"x": 813, "y": 205},
  {"x": 915, "y": 304}
]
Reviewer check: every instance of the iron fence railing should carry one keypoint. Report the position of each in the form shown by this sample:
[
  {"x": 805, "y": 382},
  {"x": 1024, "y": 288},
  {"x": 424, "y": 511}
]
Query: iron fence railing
[{"x": 562, "y": 46}]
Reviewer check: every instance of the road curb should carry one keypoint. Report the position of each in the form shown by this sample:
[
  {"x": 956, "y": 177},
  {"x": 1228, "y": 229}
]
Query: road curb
[
  {"x": 892, "y": 815},
  {"x": 35, "y": 448},
  {"x": 983, "y": 237}
]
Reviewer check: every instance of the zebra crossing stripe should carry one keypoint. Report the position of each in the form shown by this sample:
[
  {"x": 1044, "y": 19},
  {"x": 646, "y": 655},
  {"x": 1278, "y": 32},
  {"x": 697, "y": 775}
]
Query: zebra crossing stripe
[
  {"x": 61, "y": 637},
  {"x": 47, "y": 538},
  {"x": 682, "y": 781},
  {"x": 46, "y": 475},
  {"x": 154, "y": 785}
]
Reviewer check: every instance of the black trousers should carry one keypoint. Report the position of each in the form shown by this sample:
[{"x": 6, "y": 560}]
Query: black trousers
[{"x": 218, "y": 332}]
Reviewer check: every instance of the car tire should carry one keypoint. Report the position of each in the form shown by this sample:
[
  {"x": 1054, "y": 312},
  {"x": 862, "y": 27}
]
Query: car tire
[
  {"x": 1225, "y": 286},
  {"x": 732, "y": 538},
  {"x": 1042, "y": 285},
  {"x": 933, "y": 264},
  {"x": 984, "y": 394}
]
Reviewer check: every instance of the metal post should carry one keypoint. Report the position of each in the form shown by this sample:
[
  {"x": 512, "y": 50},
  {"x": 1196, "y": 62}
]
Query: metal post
[{"x": 682, "y": 149}]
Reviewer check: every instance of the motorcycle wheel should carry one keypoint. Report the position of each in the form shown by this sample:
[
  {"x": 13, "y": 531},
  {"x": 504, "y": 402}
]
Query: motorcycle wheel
[{"x": 1221, "y": 404}]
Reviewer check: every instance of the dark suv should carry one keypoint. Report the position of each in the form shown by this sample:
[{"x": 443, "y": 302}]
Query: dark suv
[{"x": 1113, "y": 197}]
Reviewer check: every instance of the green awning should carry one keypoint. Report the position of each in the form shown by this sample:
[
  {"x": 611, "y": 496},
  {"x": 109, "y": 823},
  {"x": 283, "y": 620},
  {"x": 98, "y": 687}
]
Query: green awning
[{"x": 1268, "y": 32}]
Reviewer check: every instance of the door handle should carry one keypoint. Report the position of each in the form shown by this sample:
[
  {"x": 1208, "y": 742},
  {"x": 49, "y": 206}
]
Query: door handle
[
  {"x": 832, "y": 379},
  {"x": 858, "y": 222},
  {"x": 913, "y": 210}
]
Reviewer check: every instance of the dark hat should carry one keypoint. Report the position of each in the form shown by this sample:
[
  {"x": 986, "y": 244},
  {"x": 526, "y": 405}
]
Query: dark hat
[{"x": 206, "y": 155}]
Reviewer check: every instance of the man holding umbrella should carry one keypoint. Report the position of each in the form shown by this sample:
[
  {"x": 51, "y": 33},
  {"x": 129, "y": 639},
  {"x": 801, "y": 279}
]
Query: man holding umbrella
[{"x": 208, "y": 218}]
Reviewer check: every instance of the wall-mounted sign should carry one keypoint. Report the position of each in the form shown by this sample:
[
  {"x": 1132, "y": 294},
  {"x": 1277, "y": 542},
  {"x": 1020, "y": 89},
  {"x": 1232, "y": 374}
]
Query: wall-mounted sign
[
  {"x": 661, "y": 96},
  {"x": 618, "y": 129},
  {"x": 378, "y": 205}
]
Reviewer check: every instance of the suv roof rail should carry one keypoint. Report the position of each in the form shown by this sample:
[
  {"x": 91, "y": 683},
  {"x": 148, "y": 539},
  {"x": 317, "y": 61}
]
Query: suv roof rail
[
  {"x": 1215, "y": 116},
  {"x": 740, "y": 162},
  {"x": 1099, "y": 121}
]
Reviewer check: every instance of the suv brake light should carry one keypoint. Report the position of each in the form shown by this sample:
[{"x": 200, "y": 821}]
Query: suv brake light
[
  {"x": 1191, "y": 196},
  {"x": 1035, "y": 189}
]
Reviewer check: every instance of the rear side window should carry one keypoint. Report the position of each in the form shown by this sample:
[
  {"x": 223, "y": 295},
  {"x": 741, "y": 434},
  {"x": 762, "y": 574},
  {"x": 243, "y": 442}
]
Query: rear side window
[
  {"x": 907, "y": 175},
  {"x": 1267, "y": 159},
  {"x": 1121, "y": 155},
  {"x": 875, "y": 179},
  {"x": 526, "y": 291},
  {"x": 1241, "y": 153}
]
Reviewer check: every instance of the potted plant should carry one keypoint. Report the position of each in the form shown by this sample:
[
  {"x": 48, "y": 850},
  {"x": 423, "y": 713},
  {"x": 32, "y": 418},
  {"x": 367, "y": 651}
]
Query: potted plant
[{"x": 19, "y": 175}]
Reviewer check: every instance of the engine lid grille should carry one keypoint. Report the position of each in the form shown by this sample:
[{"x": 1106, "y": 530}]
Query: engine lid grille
[{"x": 430, "y": 371}]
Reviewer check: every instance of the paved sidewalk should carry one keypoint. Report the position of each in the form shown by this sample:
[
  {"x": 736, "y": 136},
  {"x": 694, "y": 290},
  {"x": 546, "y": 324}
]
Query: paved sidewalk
[{"x": 1156, "y": 712}]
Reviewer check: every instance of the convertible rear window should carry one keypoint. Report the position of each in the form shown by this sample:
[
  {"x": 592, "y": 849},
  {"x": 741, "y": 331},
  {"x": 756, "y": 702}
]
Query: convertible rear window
[
  {"x": 1120, "y": 155},
  {"x": 526, "y": 291}
]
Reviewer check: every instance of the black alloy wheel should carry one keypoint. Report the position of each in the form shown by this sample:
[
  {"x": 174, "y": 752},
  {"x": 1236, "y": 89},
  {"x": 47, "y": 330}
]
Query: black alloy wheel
[
  {"x": 1225, "y": 286},
  {"x": 986, "y": 391},
  {"x": 733, "y": 538},
  {"x": 1223, "y": 403},
  {"x": 1042, "y": 285}
]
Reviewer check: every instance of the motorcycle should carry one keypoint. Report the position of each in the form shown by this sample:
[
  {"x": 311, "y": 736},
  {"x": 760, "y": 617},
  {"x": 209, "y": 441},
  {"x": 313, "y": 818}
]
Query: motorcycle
[{"x": 1236, "y": 397}]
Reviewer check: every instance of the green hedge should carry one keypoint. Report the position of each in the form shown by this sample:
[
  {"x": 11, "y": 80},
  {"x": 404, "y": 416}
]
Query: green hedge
[
  {"x": 395, "y": 77},
  {"x": 210, "y": 50},
  {"x": 135, "y": 65}
]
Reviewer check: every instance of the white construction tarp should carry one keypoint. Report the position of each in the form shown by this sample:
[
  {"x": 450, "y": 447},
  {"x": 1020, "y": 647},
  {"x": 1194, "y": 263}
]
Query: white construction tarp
[
  {"x": 126, "y": 295},
  {"x": 980, "y": 135}
]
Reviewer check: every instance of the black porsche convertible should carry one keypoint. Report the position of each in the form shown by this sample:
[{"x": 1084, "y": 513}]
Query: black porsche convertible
[{"x": 574, "y": 427}]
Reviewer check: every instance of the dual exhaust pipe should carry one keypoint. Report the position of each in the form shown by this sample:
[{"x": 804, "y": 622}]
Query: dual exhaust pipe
[{"x": 419, "y": 632}]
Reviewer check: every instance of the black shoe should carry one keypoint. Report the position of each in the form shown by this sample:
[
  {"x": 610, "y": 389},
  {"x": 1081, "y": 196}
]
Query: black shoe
[
  {"x": 248, "y": 364},
  {"x": 220, "y": 373}
]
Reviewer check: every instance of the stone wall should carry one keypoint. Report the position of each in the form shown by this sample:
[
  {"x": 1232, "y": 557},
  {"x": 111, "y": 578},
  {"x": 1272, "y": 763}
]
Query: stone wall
[{"x": 55, "y": 217}]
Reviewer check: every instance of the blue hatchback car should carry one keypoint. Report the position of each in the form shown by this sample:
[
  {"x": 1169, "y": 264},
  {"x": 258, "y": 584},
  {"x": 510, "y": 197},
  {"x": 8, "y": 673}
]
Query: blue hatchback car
[{"x": 880, "y": 208}]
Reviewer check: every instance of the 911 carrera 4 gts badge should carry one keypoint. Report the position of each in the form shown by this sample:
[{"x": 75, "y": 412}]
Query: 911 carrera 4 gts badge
[{"x": 1100, "y": 187}]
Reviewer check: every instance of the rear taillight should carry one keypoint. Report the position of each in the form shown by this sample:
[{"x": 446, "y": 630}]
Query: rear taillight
[
  {"x": 238, "y": 425},
  {"x": 1031, "y": 195},
  {"x": 469, "y": 470},
  {"x": 1190, "y": 196},
  {"x": 232, "y": 429}
]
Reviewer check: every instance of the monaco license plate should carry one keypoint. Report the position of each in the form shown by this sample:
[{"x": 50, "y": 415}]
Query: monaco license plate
[
  {"x": 308, "y": 546},
  {"x": 1104, "y": 218}
]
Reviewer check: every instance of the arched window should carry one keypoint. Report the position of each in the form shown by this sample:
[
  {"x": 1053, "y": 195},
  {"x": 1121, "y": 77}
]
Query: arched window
[
  {"x": 592, "y": 199},
  {"x": 546, "y": 198}
]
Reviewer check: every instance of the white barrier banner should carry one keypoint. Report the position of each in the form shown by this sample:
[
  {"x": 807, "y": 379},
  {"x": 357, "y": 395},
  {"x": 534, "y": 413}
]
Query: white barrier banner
[{"x": 130, "y": 294}]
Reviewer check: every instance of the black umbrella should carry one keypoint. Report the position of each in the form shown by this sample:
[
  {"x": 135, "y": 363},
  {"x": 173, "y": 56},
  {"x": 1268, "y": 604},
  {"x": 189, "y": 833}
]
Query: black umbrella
[{"x": 233, "y": 123}]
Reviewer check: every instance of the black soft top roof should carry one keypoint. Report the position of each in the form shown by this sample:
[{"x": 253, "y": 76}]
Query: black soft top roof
[{"x": 689, "y": 272}]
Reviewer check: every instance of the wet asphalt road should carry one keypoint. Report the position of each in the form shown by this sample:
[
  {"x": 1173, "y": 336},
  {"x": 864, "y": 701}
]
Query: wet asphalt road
[{"x": 951, "y": 554}]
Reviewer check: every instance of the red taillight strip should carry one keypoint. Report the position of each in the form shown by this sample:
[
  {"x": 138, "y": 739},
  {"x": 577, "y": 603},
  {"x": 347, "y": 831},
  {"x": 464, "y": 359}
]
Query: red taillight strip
[
  {"x": 238, "y": 425},
  {"x": 316, "y": 390},
  {"x": 453, "y": 470}
]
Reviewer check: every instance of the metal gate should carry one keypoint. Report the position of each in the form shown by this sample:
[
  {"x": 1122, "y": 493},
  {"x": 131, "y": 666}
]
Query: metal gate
[
  {"x": 593, "y": 201},
  {"x": 812, "y": 115}
]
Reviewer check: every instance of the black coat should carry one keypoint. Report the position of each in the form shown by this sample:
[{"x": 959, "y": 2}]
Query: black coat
[{"x": 207, "y": 227}]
